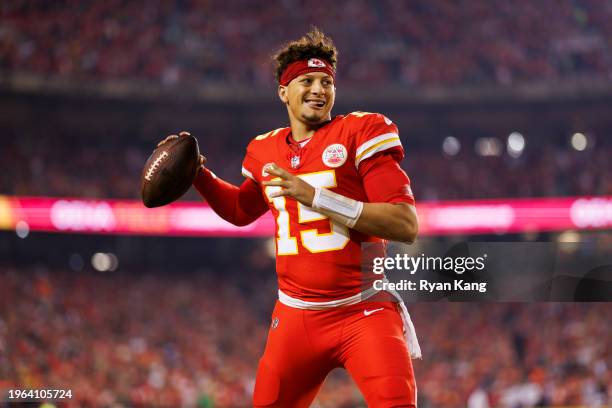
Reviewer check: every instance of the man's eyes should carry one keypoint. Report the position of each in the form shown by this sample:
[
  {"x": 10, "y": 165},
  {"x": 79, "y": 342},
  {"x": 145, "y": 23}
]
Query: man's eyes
[{"x": 309, "y": 81}]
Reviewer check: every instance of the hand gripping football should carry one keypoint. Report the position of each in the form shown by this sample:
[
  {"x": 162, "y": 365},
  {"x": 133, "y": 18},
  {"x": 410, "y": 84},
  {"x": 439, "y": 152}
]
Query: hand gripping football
[{"x": 169, "y": 171}]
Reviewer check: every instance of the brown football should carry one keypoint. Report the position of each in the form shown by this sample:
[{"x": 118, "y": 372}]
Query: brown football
[{"x": 169, "y": 171}]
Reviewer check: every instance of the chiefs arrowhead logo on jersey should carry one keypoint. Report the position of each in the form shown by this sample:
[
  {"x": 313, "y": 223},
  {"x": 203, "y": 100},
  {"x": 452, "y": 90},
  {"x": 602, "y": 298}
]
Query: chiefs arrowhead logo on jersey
[
  {"x": 334, "y": 155},
  {"x": 315, "y": 63}
]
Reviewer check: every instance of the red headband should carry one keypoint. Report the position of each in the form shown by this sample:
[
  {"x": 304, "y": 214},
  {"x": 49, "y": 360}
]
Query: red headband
[{"x": 297, "y": 68}]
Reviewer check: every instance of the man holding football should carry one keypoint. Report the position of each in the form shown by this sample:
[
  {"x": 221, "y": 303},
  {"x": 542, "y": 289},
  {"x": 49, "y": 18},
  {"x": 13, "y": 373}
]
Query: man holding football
[{"x": 332, "y": 183}]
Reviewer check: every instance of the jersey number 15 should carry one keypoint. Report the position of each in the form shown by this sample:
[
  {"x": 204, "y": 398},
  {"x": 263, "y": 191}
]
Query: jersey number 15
[{"x": 312, "y": 240}]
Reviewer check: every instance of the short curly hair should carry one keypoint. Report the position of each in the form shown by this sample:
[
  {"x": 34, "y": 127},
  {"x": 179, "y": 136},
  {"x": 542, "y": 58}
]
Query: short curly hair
[{"x": 315, "y": 44}]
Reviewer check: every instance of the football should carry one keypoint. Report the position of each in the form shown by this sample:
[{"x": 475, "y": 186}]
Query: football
[{"x": 169, "y": 171}]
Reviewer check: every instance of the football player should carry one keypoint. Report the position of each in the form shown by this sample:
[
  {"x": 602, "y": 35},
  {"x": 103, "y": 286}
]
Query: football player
[{"x": 332, "y": 183}]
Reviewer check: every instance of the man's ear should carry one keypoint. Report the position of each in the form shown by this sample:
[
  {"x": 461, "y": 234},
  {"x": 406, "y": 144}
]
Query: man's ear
[{"x": 282, "y": 94}]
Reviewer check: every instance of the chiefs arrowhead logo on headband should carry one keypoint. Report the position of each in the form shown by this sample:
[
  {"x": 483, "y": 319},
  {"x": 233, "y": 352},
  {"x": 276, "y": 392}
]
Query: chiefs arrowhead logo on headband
[
  {"x": 315, "y": 63},
  {"x": 297, "y": 68}
]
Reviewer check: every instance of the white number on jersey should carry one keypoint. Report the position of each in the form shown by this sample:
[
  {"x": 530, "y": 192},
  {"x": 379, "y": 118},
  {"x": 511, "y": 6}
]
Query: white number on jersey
[{"x": 312, "y": 240}]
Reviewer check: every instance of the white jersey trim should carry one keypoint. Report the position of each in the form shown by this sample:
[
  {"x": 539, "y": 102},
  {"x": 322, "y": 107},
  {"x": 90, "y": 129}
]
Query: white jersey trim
[
  {"x": 375, "y": 145},
  {"x": 248, "y": 174}
]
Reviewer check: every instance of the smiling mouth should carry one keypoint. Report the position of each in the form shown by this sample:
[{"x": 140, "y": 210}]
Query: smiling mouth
[{"x": 315, "y": 104}]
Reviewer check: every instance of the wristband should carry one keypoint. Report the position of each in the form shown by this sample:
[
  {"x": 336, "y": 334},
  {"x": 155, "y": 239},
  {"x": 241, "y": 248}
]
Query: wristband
[{"x": 338, "y": 207}]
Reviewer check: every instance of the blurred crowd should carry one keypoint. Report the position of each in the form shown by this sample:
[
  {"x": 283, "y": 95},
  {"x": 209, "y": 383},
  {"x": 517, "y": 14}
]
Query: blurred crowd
[
  {"x": 55, "y": 148},
  {"x": 545, "y": 171},
  {"x": 121, "y": 341},
  {"x": 415, "y": 43},
  {"x": 514, "y": 355},
  {"x": 149, "y": 340},
  {"x": 102, "y": 168}
]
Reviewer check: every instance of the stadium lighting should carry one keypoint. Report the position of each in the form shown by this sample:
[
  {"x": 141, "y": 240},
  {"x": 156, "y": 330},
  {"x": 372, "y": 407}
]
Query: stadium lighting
[
  {"x": 451, "y": 146},
  {"x": 22, "y": 229},
  {"x": 488, "y": 146},
  {"x": 114, "y": 262},
  {"x": 515, "y": 144},
  {"x": 579, "y": 141},
  {"x": 569, "y": 236},
  {"x": 101, "y": 262},
  {"x": 569, "y": 241}
]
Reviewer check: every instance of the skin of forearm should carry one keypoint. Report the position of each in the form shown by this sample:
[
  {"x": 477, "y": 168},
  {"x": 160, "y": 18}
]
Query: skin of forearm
[{"x": 391, "y": 221}]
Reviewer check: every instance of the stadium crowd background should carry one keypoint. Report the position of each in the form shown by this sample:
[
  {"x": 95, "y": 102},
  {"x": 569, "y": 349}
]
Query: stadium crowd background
[
  {"x": 381, "y": 42},
  {"x": 192, "y": 340},
  {"x": 171, "y": 335},
  {"x": 96, "y": 148},
  {"x": 103, "y": 168}
]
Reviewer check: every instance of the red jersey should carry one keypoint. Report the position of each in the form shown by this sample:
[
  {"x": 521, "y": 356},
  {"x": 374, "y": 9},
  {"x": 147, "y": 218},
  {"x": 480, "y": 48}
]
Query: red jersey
[{"x": 317, "y": 258}]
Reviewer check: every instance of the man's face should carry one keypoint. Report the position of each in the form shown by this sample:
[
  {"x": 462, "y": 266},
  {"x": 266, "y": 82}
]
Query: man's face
[{"x": 309, "y": 97}]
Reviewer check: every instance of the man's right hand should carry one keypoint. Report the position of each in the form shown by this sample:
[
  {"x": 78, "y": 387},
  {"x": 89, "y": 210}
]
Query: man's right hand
[
  {"x": 202, "y": 159},
  {"x": 172, "y": 137}
]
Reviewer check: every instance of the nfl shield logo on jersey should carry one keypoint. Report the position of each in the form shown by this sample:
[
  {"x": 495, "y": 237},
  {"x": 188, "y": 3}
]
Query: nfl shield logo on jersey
[
  {"x": 295, "y": 162},
  {"x": 315, "y": 63},
  {"x": 334, "y": 155},
  {"x": 275, "y": 322}
]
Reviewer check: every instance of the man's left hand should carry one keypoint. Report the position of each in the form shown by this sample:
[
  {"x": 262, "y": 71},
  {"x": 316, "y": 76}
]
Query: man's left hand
[{"x": 291, "y": 186}]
